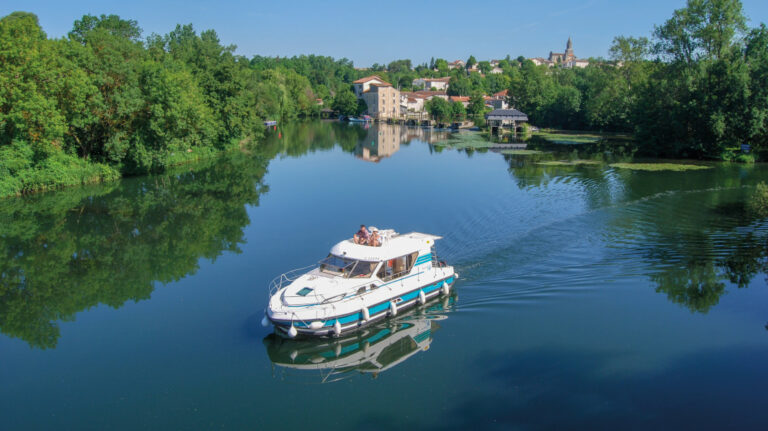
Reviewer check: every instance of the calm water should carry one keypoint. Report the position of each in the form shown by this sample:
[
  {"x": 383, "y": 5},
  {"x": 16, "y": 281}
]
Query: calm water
[{"x": 590, "y": 297}]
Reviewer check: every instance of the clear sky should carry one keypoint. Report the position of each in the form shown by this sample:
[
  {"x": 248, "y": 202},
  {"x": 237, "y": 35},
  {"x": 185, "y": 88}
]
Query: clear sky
[{"x": 381, "y": 31}]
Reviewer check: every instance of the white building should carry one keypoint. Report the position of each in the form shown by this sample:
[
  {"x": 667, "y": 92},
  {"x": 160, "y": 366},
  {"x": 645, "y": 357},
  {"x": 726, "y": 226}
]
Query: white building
[
  {"x": 538, "y": 61},
  {"x": 429, "y": 83},
  {"x": 576, "y": 62}
]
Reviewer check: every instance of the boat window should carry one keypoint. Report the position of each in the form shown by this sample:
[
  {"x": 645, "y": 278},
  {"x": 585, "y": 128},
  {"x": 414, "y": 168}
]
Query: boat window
[
  {"x": 363, "y": 269},
  {"x": 336, "y": 265},
  {"x": 397, "y": 267},
  {"x": 304, "y": 291}
]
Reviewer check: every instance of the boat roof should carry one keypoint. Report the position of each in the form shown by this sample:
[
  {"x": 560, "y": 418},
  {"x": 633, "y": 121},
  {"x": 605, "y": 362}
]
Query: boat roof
[{"x": 392, "y": 245}]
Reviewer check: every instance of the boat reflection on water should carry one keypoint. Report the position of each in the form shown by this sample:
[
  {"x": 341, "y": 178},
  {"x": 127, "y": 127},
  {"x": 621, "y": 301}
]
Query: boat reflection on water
[{"x": 372, "y": 350}]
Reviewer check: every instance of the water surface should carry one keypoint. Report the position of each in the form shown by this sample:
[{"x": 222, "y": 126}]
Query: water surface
[{"x": 590, "y": 297}]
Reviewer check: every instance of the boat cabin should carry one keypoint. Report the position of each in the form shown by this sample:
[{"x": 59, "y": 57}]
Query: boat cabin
[{"x": 396, "y": 256}]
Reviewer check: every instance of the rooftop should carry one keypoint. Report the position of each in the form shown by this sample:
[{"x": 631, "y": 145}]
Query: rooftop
[
  {"x": 429, "y": 93},
  {"x": 368, "y": 79},
  {"x": 506, "y": 114}
]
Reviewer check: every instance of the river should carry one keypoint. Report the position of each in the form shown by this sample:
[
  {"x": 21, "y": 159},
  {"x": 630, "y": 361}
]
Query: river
[{"x": 590, "y": 296}]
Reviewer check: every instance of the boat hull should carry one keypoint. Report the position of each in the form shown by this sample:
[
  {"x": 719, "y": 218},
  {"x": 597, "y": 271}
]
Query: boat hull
[{"x": 353, "y": 321}]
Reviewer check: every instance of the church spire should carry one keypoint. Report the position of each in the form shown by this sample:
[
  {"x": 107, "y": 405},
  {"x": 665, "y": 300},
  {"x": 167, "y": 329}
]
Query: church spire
[{"x": 570, "y": 43}]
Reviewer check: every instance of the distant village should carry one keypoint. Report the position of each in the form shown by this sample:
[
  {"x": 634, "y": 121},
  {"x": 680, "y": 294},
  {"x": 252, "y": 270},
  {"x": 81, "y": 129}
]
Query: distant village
[{"x": 385, "y": 102}]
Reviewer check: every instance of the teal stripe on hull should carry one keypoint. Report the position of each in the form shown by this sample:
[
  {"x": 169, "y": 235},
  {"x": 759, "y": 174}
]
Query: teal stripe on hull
[{"x": 376, "y": 310}]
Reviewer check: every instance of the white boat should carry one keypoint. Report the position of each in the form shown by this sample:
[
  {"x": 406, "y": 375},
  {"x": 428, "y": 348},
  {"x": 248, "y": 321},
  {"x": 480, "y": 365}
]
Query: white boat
[{"x": 357, "y": 285}]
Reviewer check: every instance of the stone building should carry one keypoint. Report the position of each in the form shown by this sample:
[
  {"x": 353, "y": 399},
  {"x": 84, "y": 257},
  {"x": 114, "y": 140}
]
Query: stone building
[
  {"x": 563, "y": 57},
  {"x": 382, "y": 99}
]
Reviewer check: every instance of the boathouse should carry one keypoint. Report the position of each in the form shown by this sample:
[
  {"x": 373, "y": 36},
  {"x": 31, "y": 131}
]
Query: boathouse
[{"x": 500, "y": 118}]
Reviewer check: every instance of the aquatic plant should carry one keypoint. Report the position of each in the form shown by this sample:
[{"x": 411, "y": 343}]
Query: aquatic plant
[
  {"x": 570, "y": 162},
  {"x": 678, "y": 167}
]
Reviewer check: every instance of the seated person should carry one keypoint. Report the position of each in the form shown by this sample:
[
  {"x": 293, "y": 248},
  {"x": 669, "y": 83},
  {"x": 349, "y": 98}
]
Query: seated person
[
  {"x": 375, "y": 239},
  {"x": 362, "y": 236}
]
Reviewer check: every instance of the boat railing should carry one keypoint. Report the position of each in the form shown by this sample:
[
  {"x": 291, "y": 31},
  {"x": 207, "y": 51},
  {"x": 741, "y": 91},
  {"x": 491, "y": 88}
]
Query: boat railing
[{"x": 286, "y": 278}]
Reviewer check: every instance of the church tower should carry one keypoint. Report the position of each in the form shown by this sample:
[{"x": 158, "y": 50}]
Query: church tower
[{"x": 569, "y": 50}]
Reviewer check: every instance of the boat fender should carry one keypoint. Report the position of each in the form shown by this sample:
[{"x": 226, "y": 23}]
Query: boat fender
[
  {"x": 422, "y": 297},
  {"x": 337, "y": 328},
  {"x": 316, "y": 325},
  {"x": 366, "y": 315},
  {"x": 265, "y": 321},
  {"x": 393, "y": 308},
  {"x": 446, "y": 288},
  {"x": 292, "y": 332}
]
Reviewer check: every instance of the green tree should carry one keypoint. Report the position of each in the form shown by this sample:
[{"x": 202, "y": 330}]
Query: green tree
[
  {"x": 439, "y": 109},
  {"x": 756, "y": 55},
  {"x": 459, "y": 85},
  {"x": 694, "y": 105},
  {"x": 126, "y": 29},
  {"x": 345, "y": 103},
  {"x": 399, "y": 66},
  {"x": 476, "y": 104},
  {"x": 458, "y": 111},
  {"x": 471, "y": 61},
  {"x": 629, "y": 49},
  {"x": 442, "y": 66}
]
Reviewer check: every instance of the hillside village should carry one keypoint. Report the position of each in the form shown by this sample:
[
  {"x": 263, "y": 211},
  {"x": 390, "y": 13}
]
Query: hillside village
[{"x": 384, "y": 101}]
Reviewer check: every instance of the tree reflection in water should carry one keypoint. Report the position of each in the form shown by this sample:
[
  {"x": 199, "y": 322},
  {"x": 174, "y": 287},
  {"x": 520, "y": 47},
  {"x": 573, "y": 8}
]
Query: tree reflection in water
[
  {"x": 693, "y": 230},
  {"x": 67, "y": 251},
  {"x": 698, "y": 281}
]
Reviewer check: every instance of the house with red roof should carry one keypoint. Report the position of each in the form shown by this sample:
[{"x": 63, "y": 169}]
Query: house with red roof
[{"x": 464, "y": 100}]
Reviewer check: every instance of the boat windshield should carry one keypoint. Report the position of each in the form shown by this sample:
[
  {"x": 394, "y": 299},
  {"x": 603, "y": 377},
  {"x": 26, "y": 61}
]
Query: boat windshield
[
  {"x": 347, "y": 268},
  {"x": 337, "y": 265}
]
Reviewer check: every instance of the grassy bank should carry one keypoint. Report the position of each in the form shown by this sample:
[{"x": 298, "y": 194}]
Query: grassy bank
[
  {"x": 19, "y": 177},
  {"x": 19, "y": 174}
]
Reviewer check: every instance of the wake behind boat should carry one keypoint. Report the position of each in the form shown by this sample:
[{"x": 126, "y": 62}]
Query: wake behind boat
[{"x": 358, "y": 284}]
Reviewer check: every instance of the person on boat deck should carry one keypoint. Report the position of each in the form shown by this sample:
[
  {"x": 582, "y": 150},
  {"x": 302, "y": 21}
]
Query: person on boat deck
[
  {"x": 375, "y": 239},
  {"x": 362, "y": 236}
]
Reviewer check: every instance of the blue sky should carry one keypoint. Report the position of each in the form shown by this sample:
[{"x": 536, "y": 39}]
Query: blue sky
[{"x": 368, "y": 32}]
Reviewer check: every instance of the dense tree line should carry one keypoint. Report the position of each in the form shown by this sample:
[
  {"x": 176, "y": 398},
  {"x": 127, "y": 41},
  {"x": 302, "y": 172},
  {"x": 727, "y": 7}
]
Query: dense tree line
[
  {"x": 696, "y": 89},
  {"x": 102, "y": 102}
]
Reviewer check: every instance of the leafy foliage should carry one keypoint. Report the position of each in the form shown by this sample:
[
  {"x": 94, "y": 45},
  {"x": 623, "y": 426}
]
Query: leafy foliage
[{"x": 104, "y": 103}]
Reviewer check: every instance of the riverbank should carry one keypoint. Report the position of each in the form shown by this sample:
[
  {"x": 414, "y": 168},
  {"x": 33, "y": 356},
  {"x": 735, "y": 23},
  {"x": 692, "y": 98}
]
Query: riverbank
[{"x": 20, "y": 176}]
